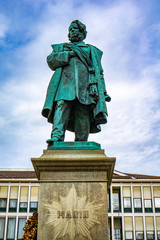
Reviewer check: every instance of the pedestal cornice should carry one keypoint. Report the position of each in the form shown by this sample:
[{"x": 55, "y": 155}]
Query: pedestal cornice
[{"x": 90, "y": 160}]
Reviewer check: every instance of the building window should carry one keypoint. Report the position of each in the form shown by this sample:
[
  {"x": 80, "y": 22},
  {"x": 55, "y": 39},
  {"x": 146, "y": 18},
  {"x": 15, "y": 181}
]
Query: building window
[
  {"x": 117, "y": 228},
  {"x": 11, "y": 228},
  {"x": 150, "y": 235},
  {"x": 147, "y": 199},
  {"x": 21, "y": 224},
  {"x": 139, "y": 227},
  {"x": 117, "y": 234},
  {"x": 156, "y": 194},
  {"x": 33, "y": 206},
  {"x": 148, "y": 205},
  {"x": 157, "y": 204},
  {"x": 127, "y": 199},
  {"x": 34, "y": 199},
  {"x": 13, "y": 199},
  {"x": 23, "y": 199},
  {"x": 3, "y": 198},
  {"x": 137, "y": 199},
  {"x": 3, "y": 204},
  {"x": 116, "y": 200},
  {"x": 13, "y": 205},
  {"x": 149, "y": 228},
  {"x": 23, "y": 206},
  {"x": 137, "y": 205},
  {"x": 127, "y": 204},
  {"x": 139, "y": 235},
  {"x": 158, "y": 227},
  {"x": 2, "y": 226},
  {"x": 128, "y": 227},
  {"x": 128, "y": 235}
]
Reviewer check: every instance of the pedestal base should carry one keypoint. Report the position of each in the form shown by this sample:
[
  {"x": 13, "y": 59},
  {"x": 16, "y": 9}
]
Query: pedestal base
[{"x": 73, "y": 194}]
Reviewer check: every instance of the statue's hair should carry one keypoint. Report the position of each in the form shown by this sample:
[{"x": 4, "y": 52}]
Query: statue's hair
[{"x": 81, "y": 27}]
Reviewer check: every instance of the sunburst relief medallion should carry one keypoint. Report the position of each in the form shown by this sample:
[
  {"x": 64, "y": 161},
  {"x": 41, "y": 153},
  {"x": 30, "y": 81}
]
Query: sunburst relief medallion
[{"x": 72, "y": 215}]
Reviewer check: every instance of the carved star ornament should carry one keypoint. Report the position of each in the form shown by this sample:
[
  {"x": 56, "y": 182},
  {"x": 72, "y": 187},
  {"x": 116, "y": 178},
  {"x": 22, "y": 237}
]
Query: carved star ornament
[{"x": 72, "y": 216}]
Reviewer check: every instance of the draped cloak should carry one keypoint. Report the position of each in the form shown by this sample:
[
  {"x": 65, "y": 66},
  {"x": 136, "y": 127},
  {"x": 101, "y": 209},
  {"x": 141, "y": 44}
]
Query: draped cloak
[{"x": 58, "y": 60}]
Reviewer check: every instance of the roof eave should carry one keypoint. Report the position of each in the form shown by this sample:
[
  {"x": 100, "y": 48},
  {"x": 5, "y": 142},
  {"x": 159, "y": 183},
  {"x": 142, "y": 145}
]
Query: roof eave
[
  {"x": 135, "y": 180},
  {"x": 18, "y": 180}
]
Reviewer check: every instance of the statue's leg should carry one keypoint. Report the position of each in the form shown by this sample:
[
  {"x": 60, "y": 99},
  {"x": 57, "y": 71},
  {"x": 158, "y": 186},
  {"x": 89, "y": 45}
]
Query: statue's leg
[
  {"x": 82, "y": 121},
  {"x": 60, "y": 120}
]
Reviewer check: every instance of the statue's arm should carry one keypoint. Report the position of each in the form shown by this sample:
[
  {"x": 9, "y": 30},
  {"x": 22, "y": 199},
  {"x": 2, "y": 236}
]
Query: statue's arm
[
  {"x": 96, "y": 58},
  {"x": 107, "y": 97},
  {"x": 59, "y": 59}
]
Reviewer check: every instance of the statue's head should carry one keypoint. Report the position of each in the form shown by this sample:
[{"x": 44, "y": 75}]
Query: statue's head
[{"x": 77, "y": 31}]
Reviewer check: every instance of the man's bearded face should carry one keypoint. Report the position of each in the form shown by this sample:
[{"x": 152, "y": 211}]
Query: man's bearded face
[{"x": 74, "y": 33}]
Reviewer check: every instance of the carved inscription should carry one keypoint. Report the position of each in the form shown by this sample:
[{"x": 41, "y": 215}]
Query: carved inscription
[{"x": 73, "y": 214}]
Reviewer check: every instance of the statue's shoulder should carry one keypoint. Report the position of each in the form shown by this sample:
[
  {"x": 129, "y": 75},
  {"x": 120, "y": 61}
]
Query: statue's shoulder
[
  {"x": 57, "y": 47},
  {"x": 95, "y": 49}
]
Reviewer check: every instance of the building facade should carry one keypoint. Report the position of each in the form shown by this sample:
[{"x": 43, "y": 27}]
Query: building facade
[{"x": 133, "y": 205}]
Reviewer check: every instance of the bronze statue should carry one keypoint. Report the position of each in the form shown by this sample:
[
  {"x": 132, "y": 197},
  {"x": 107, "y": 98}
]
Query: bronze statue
[{"x": 76, "y": 94}]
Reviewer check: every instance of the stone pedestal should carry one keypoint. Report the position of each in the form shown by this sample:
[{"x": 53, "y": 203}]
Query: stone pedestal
[{"x": 73, "y": 192}]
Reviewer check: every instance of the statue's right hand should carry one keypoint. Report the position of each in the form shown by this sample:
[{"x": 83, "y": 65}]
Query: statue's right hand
[{"x": 72, "y": 54}]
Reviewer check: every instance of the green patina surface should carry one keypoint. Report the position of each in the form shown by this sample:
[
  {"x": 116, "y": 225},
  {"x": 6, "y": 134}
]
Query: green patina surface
[
  {"x": 76, "y": 96},
  {"x": 74, "y": 145}
]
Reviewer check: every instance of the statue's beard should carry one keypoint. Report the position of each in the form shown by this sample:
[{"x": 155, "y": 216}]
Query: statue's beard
[{"x": 76, "y": 38}]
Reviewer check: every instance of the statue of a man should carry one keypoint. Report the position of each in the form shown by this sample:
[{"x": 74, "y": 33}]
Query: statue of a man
[{"x": 76, "y": 94}]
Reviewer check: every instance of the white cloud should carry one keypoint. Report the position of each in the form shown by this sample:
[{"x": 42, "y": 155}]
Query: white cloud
[{"x": 4, "y": 23}]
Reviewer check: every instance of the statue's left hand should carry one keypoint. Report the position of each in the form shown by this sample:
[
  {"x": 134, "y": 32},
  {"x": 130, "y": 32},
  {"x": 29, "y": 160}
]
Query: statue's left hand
[
  {"x": 93, "y": 89},
  {"x": 93, "y": 92}
]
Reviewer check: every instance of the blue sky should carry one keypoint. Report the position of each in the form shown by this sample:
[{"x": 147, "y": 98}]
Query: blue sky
[{"x": 128, "y": 33}]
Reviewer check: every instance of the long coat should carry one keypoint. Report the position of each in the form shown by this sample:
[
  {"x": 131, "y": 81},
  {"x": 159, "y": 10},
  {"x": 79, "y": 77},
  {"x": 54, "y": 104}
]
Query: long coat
[{"x": 58, "y": 61}]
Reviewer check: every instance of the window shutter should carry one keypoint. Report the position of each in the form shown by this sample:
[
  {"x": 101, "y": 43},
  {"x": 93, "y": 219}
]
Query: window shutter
[
  {"x": 147, "y": 192},
  {"x": 128, "y": 223},
  {"x": 149, "y": 224},
  {"x": 34, "y": 194},
  {"x": 158, "y": 223},
  {"x": 117, "y": 223},
  {"x": 126, "y": 191},
  {"x": 139, "y": 223},
  {"x": 24, "y": 194},
  {"x": 137, "y": 192},
  {"x": 14, "y": 193},
  {"x": 156, "y": 191},
  {"x": 3, "y": 192}
]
